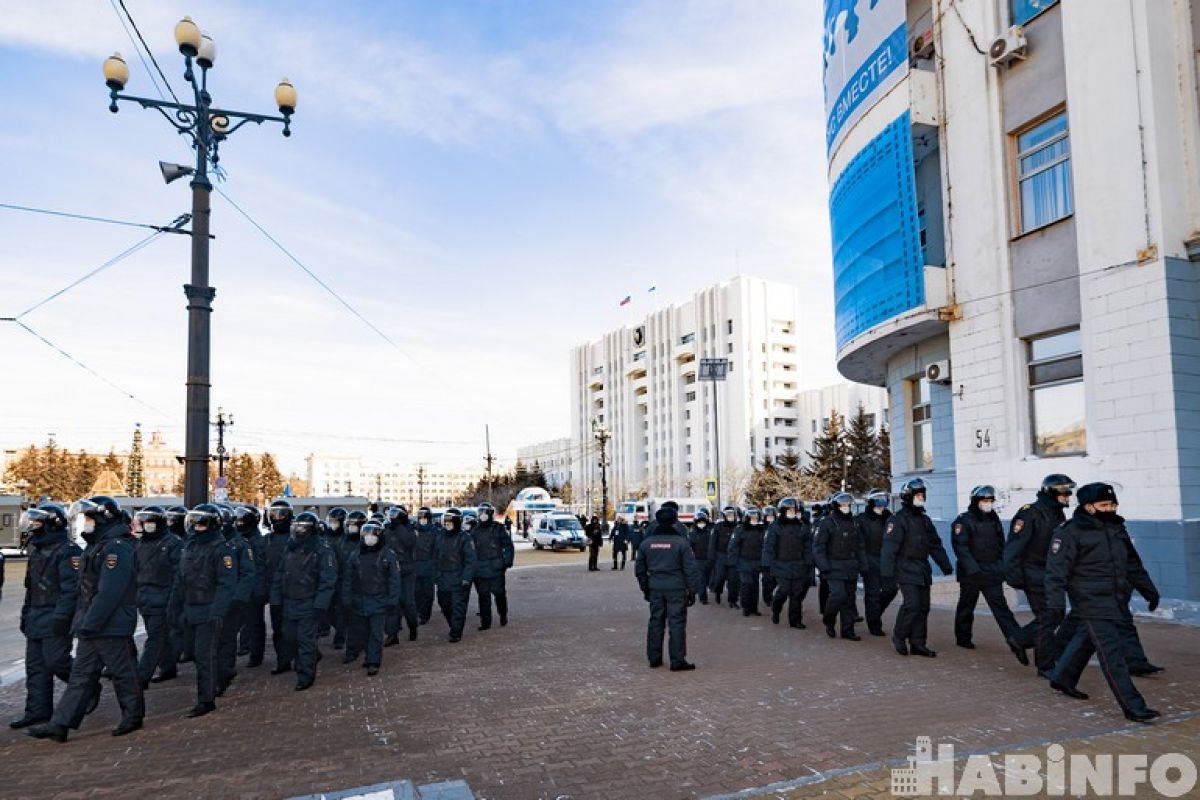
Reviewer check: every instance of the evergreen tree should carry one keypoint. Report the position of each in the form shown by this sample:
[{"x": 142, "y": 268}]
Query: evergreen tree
[
  {"x": 882, "y": 477},
  {"x": 828, "y": 457},
  {"x": 537, "y": 477},
  {"x": 863, "y": 450},
  {"x": 113, "y": 463},
  {"x": 789, "y": 460},
  {"x": 135, "y": 483},
  {"x": 242, "y": 475},
  {"x": 83, "y": 470},
  {"x": 26, "y": 470},
  {"x": 270, "y": 481}
]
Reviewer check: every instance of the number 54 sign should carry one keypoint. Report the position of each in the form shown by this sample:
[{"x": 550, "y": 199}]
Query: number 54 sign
[{"x": 982, "y": 439}]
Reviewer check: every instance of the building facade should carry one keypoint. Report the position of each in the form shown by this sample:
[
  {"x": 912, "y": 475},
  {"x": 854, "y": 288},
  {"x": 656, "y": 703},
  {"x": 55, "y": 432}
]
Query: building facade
[
  {"x": 815, "y": 405},
  {"x": 641, "y": 383},
  {"x": 556, "y": 457},
  {"x": 413, "y": 485},
  {"x": 1015, "y": 209}
]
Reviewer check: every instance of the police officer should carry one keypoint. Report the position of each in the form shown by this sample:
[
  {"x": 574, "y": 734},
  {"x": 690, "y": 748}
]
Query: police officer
[
  {"x": 770, "y": 515},
  {"x": 670, "y": 580},
  {"x": 51, "y": 591},
  {"x": 333, "y": 533},
  {"x": 493, "y": 557},
  {"x": 978, "y": 540},
  {"x": 279, "y": 521},
  {"x": 424, "y": 567},
  {"x": 724, "y": 571},
  {"x": 399, "y": 535},
  {"x": 1093, "y": 561},
  {"x": 620, "y": 541},
  {"x": 746, "y": 551},
  {"x": 787, "y": 553},
  {"x": 203, "y": 591},
  {"x": 839, "y": 553},
  {"x": 303, "y": 589},
  {"x": 247, "y": 582},
  {"x": 909, "y": 540},
  {"x": 872, "y": 523},
  {"x": 698, "y": 538},
  {"x": 104, "y": 622},
  {"x": 454, "y": 554},
  {"x": 157, "y": 551},
  {"x": 370, "y": 587},
  {"x": 253, "y": 636},
  {"x": 175, "y": 516},
  {"x": 595, "y": 535},
  {"x": 1025, "y": 555},
  {"x": 637, "y": 533}
]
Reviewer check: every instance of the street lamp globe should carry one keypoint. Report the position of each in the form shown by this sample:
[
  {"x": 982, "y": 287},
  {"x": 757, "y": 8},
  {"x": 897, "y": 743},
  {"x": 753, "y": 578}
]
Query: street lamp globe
[
  {"x": 188, "y": 37},
  {"x": 207, "y": 55},
  {"x": 116, "y": 72},
  {"x": 285, "y": 97}
]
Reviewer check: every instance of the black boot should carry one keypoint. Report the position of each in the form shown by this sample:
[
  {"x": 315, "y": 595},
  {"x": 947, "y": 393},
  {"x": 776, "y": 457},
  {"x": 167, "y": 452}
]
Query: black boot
[{"x": 53, "y": 732}]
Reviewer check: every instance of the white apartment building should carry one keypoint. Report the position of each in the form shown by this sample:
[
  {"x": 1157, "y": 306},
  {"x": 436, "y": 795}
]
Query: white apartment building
[
  {"x": 556, "y": 458},
  {"x": 1015, "y": 209},
  {"x": 641, "y": 383},
  {"x": 411, "y": 484},
  {"x": 815, "y": 405}
]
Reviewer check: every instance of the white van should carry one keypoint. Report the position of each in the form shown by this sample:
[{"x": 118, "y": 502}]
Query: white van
[{"x": 558, "y": 531}]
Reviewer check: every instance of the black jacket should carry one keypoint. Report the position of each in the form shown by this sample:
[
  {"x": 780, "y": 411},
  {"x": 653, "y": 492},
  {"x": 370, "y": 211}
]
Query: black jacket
[
  {"x": 666, "y": 563},
  {"x": 909, "y": 541},
  {"x": 1095, "y": 563},
  {"x": 787, "y": 549},
  {"x": 978, "y": 541},
  {"x": 871, "y": 527},
  {"x": 1028, "y": 542},
  {"x": 838, "y": 549}
]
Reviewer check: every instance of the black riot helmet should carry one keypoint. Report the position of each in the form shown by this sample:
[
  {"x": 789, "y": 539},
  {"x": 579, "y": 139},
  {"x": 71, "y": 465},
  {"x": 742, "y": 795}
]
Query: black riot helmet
[
  {"x": 981, "y": 493},
  {"x": 305, "y": 525},
  {"x": 246, "y": 520},
  {"x": 701, "y": 515},
  {"x": 202, "y": 519},
  {"x": 354, "y": 522},
  {"x": 842, "y": 499},
  {"x": 101, "y": 508},
  {"x": 226, "y": 511},
  {"x": 372, "y": 531},
  {"x": 753, "y": 515},
  {"x": 452, "y": 519},
  {"x": 770, "y": 513},
  {"x": 1057, "y": 486},
  {"x": 878, "y": 499},
  {"x": 424, "y": 515},
  {"x": 911, "y": 488},
  {"x": 469, "y": 519},
  {"x": 280, "y": 515},
  {"x": 487, "y": 512},
  {"x": 175, "y": 519},
  {"x": 728, "y": 511},
  {"x": 335, "y": 521},
  {"x": 790, "y": 504},
  {"x": 151, "y": 522},
  {"x": 46, "y": 518}
]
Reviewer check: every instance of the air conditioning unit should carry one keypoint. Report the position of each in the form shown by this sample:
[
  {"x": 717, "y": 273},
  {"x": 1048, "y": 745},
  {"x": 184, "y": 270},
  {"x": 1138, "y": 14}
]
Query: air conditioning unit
[
  {"x": 938, "y": 372},
  {"x": 1009, "y": 47},
  {"x": 921, "y": 46}
]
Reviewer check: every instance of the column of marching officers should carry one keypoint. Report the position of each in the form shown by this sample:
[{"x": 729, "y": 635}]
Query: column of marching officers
[
  {"x": 1087, "y": 558},
  {"x": 205, "y": 580}
]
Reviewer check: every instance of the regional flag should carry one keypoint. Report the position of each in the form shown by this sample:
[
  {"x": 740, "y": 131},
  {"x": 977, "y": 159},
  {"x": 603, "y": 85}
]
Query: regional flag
[{"x": 627, "y": 300}]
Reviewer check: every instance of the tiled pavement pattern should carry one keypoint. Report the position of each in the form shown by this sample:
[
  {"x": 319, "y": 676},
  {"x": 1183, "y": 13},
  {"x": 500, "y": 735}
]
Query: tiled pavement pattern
[{"x": 561, "y": 704}]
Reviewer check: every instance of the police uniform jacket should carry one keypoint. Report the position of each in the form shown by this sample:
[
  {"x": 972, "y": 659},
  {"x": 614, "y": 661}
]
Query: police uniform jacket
[
  {"x": 277, "y": 544},
  {"x": 666, "y": 563},
  {"x": 454, "y": 555},
  {"x": 207, "y": 578},
  {"x": 1094, "y": 562},
  {"x": 246, "y": 566},
  {"x": 978, "y": 541},
  {"x": 838, "y": 549},
  {"x": 157, "y": 565},
  {"x": 493, "y": 550},
  {"x": 371, "y": 581},
  {"x": 306, "y": 579},
  {"x": 718, "y": 541},
  {"x": 108, "y": 584},
  {"x": 1029, "y": 541},
  {"x": 871, "y": 527},
  {"x": 345, "y": 547},
  {"x": 403, "y": 540},
  {"x": 423, "y": 563},
  {"x": 909, "y": 541},
  {"x": 51, "y": 584},
  {"x": 787, "y": 549},
  {"x": 257, "y": 543},
  {"x": 636, "y": 535},
  {"x": 698, "y": 538},
  {"x": 746, "y": 546}
]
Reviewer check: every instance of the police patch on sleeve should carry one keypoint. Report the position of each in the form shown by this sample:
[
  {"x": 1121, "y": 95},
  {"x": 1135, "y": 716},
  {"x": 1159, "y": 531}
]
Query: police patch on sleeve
[
  {"x": 957, "y": 528},
  {"x": 1018, "y": 524},
  {"x": 75, "y": 562},
  {"x": 111, "y": 560},
  {"x": 1056, "y": 545},
  {"x": 227, "y": 561},
  {"x": 889, "y": 530},
  {"x": 250, "y": 553}
]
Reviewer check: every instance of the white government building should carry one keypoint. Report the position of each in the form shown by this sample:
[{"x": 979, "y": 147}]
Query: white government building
[{"x": 411, "y": 484}]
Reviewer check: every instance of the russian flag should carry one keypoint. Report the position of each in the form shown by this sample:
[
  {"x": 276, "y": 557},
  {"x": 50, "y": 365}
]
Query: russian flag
[
  {"x": 627, "y": 300},
  {"x": 652, "y": 288}
]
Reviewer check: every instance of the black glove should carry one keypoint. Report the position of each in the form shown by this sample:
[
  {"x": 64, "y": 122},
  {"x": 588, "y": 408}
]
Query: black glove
[
  {"x": 62, "y": 626},
  {"x": 1152, "y": 603},
  {"x": 948, "y": 571},
  {"x": 691, "y": 599},
  {"x": 22, "y": 624},
  {"x": 1054, "y": 616}
]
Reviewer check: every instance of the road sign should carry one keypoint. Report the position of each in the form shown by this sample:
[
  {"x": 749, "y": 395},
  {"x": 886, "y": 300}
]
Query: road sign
[
  {"x": 713, "y": 369},
  {"x": 710, "y": 489}
]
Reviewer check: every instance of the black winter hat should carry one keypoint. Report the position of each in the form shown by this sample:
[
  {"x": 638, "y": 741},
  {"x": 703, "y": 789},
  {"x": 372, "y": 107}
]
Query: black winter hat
[{"x": 1095, "y": 493}]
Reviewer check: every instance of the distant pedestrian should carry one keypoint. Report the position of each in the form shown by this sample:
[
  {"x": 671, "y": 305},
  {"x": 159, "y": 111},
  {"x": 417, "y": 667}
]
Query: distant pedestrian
[
  {"x": 670, "y": 581},
  {"x": 620, "y": 541},
  {"x": 595, "y": 535}
]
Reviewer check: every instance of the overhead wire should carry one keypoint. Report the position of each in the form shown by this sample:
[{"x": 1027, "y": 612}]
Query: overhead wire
[
  {"x": 172, "y": 228},
  {"x": 146, "y": 47}
]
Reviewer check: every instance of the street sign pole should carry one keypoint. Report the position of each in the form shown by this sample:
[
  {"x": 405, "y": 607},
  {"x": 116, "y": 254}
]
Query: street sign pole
[{"x": 714, "y": 370}]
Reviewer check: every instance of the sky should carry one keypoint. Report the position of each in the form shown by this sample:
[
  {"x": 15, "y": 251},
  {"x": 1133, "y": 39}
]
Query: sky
[{"x": 483, "y": 180}]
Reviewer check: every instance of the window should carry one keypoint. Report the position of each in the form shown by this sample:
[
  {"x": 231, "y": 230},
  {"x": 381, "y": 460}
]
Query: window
[
  {"x": 729, "y": 347},
  {"x": 871, "y": 421},
  {"x": 689, "y": 397},
  {"x": 814, "y": 426},
  {"x": 687, "y": 338},
  {"x": 687, "y": 415},
  {"x": 1044, "y": 173},
  {"x": 729, "y": 326},
  {"x": 1056, "y": 394},
  {"x": 1025, "y": 10},
  {"x": 922, "y": 424}
]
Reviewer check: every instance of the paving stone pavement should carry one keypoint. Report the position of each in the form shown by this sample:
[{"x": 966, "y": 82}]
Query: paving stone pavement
[{"x": 561, "y": 704}]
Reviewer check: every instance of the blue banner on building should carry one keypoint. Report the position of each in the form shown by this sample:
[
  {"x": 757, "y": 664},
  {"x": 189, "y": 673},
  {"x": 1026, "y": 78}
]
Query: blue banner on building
[
  {"x": 866, "y": 53},
  {"x": 878, "y": 269}
]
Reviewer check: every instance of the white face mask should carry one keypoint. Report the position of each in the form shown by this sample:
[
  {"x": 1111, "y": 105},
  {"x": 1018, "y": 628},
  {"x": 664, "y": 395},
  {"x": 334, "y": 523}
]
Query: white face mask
[
  {"x": 919, "y": 502},
  {"x": 877, "y": 509},
  {"x": 89, "y": 525},
  {"x": 351, "y": 529},
  {"x": 149, "y": 527},
  {"x": 986, "y": 506},
  {"x": 730, "y": 517},
  {"x": 845, "y": 509},
  {"x": 790, "y": 513},
  {"x": 335, "y": 525},
  {"x": 701, "y": 524},
  {"x": 370, "y": 539}
]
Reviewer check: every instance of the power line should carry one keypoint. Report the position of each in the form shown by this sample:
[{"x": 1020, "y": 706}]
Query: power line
[
  {"x": 174, "y": 227},
  {"x": 149, "y": 52}
]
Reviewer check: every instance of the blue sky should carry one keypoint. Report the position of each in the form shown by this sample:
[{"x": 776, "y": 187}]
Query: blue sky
[{"x": 483, "y": 180}]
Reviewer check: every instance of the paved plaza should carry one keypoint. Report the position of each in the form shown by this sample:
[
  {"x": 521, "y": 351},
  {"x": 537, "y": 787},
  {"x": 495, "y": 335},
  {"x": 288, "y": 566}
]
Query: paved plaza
[{"x": 561, "y": 704}]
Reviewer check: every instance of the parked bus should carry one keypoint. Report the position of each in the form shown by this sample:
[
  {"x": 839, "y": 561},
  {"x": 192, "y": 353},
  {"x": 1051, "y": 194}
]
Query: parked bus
[{"x": 639, "y": 511}]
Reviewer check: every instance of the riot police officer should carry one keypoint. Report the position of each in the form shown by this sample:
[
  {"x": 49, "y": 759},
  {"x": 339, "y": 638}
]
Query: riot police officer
[
  {"x": 872, "y": 523},
  {"x": 175, "y": 516},
  {"x": 1025, "y": 554},
  {"x": 978, "y": 540},
  {"x": 454, "y": 554},
  {"x": 104, "y": 622},
  {"x": 770, "y": 515},
  {"x": 246, "y": 569},
  {"x": 670, "y": 580},
  {"x": 157, "y": 551},
  {"x": 494, "y": 554},
  {"x": 399, "y": 535},
  {"x": 1093, "y": 561},
  {"x": 698, "y": 538},
  {"x": 595, "y": 536},
  {"x": 787, "y": 553},
  {"x": 909, "y": 541},
  {"x": 637, "y": 532},
  {"x": 51, "y": 591},
  {"x": 279, "y": 522},
  {"x": 333, "y": 533},
  {"x": 424, "y": 567},
  {"x": 620, "y": 541},
  {"x": 840, "y": 555},
  {"x": 370, "y": 587},
  {"x": 724, "y": 572},
  {"x": 746, "y": 552},
  {"x": 303, "y": 589},
  {"x": 204, "y": 589},
  {"x": 254, "y": 630}
]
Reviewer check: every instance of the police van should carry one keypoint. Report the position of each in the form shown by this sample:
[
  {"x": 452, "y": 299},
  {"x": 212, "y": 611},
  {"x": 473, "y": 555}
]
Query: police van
[{"x": 639, "y": 511}]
